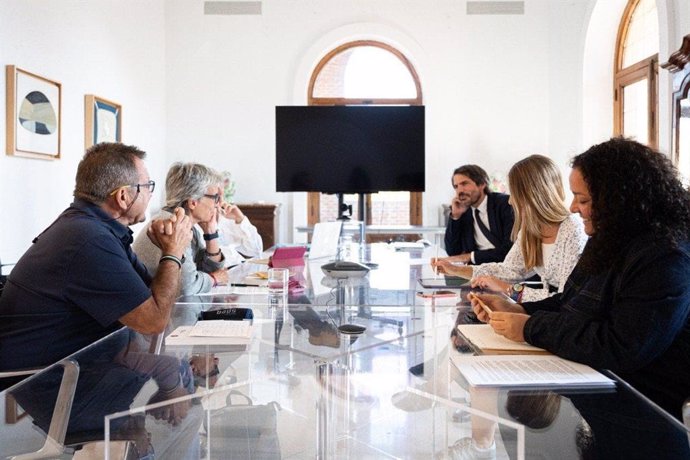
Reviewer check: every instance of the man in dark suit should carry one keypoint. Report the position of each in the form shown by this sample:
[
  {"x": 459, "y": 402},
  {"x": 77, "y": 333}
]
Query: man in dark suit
[{"x": 480, "y": 221}]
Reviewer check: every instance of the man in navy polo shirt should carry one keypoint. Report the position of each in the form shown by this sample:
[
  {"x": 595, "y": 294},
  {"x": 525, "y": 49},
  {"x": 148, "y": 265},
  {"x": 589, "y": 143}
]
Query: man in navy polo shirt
[{"x": 80, "y": 280}]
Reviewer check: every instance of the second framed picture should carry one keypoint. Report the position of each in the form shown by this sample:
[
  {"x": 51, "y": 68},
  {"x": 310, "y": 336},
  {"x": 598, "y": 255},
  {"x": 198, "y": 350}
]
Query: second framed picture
[{"x": 103, "y": 120}]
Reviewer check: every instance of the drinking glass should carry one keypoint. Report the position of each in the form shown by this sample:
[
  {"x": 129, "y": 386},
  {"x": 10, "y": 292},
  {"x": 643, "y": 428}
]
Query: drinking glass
[{"x": 278, "y": 280}]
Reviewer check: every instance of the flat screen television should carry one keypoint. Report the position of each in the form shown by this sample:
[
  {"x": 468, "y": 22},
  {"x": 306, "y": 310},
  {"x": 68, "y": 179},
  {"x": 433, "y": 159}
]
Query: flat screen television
[{"x": 349, "y": 149}]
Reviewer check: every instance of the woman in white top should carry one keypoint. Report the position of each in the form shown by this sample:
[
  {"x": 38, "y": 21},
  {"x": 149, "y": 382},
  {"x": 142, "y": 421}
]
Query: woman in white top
[
  {"x": 548, "y": 239},
  {"x": 238, "y": 237}
]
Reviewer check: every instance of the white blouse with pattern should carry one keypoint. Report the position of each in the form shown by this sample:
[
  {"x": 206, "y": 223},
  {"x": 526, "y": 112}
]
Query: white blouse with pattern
[{"x": 570, "y": 241}]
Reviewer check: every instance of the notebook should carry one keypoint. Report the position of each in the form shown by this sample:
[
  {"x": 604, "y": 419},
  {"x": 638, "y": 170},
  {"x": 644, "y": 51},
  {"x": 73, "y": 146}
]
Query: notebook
[
  {"x": 484, "y": 338},
  {"x": 213, "y": 332},
  {"x": 324, "y": 241}
]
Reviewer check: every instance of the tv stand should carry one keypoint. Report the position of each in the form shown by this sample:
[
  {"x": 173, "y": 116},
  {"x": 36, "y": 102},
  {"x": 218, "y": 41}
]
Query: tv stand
[
  {"x": 344, "y": 210},
  {"x": 345, "y": 213}
]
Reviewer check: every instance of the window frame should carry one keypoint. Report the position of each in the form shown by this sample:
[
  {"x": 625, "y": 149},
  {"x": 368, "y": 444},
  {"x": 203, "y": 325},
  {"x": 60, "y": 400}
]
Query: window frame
[
  {"x": 647, "y": 68},
  {"x": 314, "y": 198}
]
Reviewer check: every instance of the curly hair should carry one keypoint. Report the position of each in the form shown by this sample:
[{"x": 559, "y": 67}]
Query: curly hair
[{"x": 635, "y": 191}]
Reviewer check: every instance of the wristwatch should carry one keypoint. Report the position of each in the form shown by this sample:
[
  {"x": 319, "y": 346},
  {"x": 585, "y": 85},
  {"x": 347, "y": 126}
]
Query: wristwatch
[
  {"x": 516, "y": 291},
  {"x": 210, "y": 236}
]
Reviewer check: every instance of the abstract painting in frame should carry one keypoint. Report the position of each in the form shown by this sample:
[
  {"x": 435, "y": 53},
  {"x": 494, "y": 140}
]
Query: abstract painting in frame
[
  {"x": 33, "y": 115},
  {"x": 103, "y": 120}
]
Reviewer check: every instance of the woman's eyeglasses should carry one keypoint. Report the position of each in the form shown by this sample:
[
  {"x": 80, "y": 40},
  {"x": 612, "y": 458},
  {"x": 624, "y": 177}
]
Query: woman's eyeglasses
[{"x": 215, "y": 198}]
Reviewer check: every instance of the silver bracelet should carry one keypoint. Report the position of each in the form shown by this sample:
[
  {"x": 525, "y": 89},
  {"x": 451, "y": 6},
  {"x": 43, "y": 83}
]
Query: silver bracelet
[{"x": 173, "y": 258}]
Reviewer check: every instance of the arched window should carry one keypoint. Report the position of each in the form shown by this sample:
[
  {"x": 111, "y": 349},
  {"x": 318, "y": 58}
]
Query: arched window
[
  {"x": 635, "y": 73},
  {"x": 372, "y": 73}
]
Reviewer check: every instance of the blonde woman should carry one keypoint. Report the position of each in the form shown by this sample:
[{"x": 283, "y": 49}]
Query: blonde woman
[{"x": 548, "y": 238}]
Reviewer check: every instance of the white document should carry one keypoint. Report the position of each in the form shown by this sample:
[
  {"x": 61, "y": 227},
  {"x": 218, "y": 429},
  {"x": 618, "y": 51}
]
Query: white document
[
  {"x": 402, "y": 245},
  {"x": 324, "y": 241},
  {"x": 221, "y": 328},
  {"x": 253, "y": 280},
  {"x": 484, "y": 338},
  {"x": 528, "y": 371},
  {"x": 240, "y": 290},
  {"x": 234, "y": 333}
]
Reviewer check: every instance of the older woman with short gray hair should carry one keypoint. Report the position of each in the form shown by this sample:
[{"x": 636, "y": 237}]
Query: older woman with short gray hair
[{"x": 196, "y": 188}]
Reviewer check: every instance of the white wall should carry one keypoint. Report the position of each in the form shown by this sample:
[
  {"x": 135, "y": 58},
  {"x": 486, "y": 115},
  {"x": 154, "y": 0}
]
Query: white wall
[
  {"x": 204, "y": 88},
  {"x": 114, "y": 49},
  {"x": 227, "y": 73}
]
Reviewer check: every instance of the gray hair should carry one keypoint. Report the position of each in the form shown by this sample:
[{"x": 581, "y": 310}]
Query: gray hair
[
  {"x": 104, "y": 168},
  {"x": 188, "y": 181}
]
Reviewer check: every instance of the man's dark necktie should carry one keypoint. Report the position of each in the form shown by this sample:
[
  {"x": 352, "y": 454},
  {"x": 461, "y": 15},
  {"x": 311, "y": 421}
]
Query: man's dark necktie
[{"x": 489, "y": 236}]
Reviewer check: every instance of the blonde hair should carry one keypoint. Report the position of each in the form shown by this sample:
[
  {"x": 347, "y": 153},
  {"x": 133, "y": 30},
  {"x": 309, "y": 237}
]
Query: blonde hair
[{"x": 538, "y": 199}]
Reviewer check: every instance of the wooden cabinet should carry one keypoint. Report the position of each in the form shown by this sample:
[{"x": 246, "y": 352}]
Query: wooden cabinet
[{"x": 264, "y": 216}]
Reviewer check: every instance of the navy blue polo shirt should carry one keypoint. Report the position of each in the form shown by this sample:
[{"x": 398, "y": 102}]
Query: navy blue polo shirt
[{"x": 70, "y": 288}]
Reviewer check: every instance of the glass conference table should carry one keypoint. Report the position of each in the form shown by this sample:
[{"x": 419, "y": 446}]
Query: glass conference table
[
  {"x": 393, "y": 281},
  {"x": 335, "y": 379}
]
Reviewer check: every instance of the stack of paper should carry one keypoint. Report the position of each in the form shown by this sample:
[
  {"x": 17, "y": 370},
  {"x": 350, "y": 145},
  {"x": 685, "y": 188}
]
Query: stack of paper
[
  {"x": 528, "y": 371},
  {"x": 213, "y": 332}
]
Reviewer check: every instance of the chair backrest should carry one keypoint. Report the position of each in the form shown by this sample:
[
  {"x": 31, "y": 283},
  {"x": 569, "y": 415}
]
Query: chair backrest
[
  {"x": 58, "y": 417},
  {"x": 3, "y": 278},
  {"x": 686, "y": 416}
]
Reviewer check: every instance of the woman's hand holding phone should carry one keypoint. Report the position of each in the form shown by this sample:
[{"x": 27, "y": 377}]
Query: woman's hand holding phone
[{"x": 493, "y": 303}]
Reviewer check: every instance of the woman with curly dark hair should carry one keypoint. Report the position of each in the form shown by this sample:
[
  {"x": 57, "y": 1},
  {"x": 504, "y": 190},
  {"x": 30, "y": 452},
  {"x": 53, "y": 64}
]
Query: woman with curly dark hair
[
  {"x": 634, "y": 190},
  {"x": 626, "y": 305}
]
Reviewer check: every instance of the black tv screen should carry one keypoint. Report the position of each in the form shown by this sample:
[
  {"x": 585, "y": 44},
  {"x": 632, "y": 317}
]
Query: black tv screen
[{"x": 349, "y": 149}]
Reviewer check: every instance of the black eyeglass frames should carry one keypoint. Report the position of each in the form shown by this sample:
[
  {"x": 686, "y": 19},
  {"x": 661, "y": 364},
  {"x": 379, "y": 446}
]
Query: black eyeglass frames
[
  {"x": 215, "y": 197},
  {"x": 151, "y": 185}
]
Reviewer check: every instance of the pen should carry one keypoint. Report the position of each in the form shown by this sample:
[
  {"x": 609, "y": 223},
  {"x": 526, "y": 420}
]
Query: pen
[
  {"x": 242, "y": 285},
  {"x": 436, "y": 261},
  {"x": 233, "y": 266},
  {"x": 486, "y": 309}
]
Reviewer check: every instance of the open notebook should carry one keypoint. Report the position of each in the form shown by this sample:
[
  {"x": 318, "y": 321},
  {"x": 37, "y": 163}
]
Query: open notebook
[
  {"x": 212, "y": 332},
  {"x": 505, "y": 363},
  {"x": 483, "y": 337}
]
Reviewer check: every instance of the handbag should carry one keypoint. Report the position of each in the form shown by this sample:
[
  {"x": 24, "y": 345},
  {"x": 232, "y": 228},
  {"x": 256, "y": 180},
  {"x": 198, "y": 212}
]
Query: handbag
[{"x": 244, "y": 430}]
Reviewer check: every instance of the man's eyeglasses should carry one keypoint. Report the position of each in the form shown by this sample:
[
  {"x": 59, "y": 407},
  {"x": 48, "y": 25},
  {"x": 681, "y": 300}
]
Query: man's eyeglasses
[
  {"x": 151, "y": 185},
  {"x": 215, "y": 198}
]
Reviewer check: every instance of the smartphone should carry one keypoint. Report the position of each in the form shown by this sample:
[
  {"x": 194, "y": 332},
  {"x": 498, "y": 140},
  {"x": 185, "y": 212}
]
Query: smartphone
[{"x": 447, "y": 282}]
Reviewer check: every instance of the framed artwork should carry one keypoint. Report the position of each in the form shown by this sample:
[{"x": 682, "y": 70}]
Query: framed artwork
[
  {"x": 33, "y": 115},
  {"x": 102, "y": 122}
]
